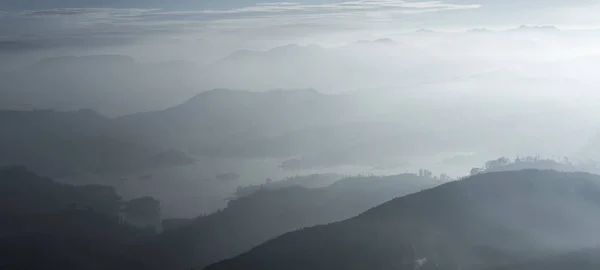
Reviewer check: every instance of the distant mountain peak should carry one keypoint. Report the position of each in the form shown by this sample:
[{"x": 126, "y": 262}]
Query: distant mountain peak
[
  {"x": 246, "y": 53},
  {"x": 384, "y": 41},
  {"x": 380, "y": 41},
  {"x": 285, "y": 47},
  {"x": 210, "y": 93},
  {"x": 524, "y": 27},
  {"x": 289, "y": 47},
  {"x": 479, "y": 30},
  {"x": 362, "y": 41},
  {"x": 424, "y": 31}
]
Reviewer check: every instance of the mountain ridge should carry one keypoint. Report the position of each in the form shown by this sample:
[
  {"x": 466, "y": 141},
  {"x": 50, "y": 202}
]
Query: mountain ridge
[{"x": 451, "y": 225}]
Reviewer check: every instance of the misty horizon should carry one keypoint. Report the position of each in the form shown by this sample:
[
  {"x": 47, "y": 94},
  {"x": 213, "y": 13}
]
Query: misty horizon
[{"x": 302, "y": 135}]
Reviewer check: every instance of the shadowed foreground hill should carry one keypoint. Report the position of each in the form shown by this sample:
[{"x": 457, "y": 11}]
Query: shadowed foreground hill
[
  {"x": 485, "y": 220},
  {"x": 265, "y": 214},
  {"x": 48, "y": 225},
  {"x": 71, "y": 240}
]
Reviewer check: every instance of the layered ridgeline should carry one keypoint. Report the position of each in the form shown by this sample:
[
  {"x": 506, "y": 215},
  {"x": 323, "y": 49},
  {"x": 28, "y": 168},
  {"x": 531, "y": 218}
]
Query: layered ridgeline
[
  {"x": 505, "y": 220},
  {"x": 77, "y": 227},
  {"x": 310, "y": 129},
  {"x": 48, "y": 225},
  {"x": 26, "y": 194},
  {"x": 214, "y": 119},
  {"x": 271, "y": 211},
  {"x": 483, "y": 221},
  {"x": 302, "y": 128},
  {"x": 67, "y": 143}
]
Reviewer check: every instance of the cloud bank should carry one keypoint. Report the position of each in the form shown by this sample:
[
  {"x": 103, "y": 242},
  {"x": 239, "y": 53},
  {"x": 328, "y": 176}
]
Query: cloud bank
[{"x": 105, "y": 26}]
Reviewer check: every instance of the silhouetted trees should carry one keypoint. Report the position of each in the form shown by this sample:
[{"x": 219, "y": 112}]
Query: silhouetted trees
[
  {"x": 531, "y": 162},
  {"x": 475, "y": 171},
  {"x": 497, "y": 163},
  {"x": 48, "y": 225}
]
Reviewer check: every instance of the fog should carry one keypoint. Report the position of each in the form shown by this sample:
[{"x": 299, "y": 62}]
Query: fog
[
  {"x": 383, "y": 105},
  {"x": 202, "y": 134},
  {"x": 122, "y": 80},
  {"x": 376, "y": 101}
]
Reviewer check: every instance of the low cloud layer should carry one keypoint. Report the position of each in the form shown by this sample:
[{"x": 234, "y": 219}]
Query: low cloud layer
[
  {"x": 215, "y": 29},
  {"x": 79, "y": 26}
]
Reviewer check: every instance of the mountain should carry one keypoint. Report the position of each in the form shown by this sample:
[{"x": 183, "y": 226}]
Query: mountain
[
  {"x": 381, "y": 41},
  {"x": 250, "y": 220},
  {"x": 385, "y": 41},
  {"x": 482, "y": 221},
  {"x": 66, "y": 143},
  {"x": 362, "y": 64},
  {"x": 70, "y": 240},
  {"x": 111, "y": 84},
  {"x": 479, "y": 30},
  {"x": 25, "y": 193},
  {"x": 423, "y": 32},
  {"x": 309, "y": 128},
  {"x": 530, "y": 29},
  {"x": 225, "y": 118},
  {"x": 48, "y": 225}
]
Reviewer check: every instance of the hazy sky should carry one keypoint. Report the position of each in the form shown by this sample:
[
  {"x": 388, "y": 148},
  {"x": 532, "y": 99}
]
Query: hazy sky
[{"x": 210, "y": 24}]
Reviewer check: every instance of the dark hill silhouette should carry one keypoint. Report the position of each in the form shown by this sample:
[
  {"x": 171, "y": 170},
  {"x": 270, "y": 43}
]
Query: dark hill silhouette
[
  {"x": 63, "y": 143},
  {"x": 26, "y": 193},
  {"x": 222, "y": 117},
  {"x": 48, "y": 225},
  {"x": 482, "y": 221},
  {"x": 43, "y": 251},
  {"x": 253, "y": 219},
  {"x": 314, "y": 128}
]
